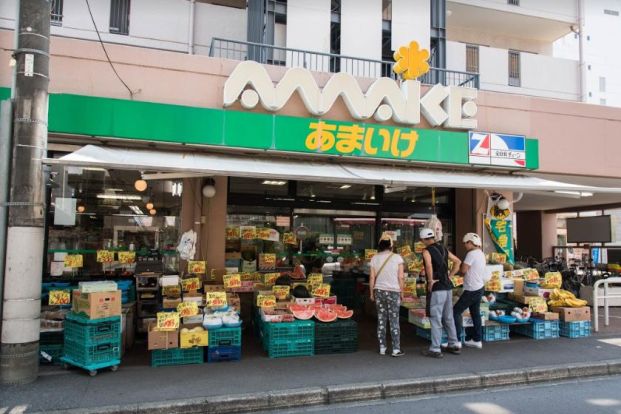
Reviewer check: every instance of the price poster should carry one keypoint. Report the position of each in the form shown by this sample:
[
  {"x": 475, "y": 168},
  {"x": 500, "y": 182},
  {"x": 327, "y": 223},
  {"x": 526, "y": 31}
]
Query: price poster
[
  {"x": 167, "y": 321},
  {"x": 322, "y": 291},
  {"x": 232, "y": 233},
  {"x": 74, "y": 260},
  {"x": 197, "y": 266},
  {"x": 263, "y": 233},
  {"x": 270, "y": 278},
  {"x": 127, "y": 257},
  {"x": 289, "y": 238},
  {"x": 187, "y": 309},
  {"x": 266, "y": 301},
  {"x": 59, "y": 297},
  {"x": 267, "y": 261},
  {"x": 248, "y": 232},
  {"x": 216, "y": 299},
  {"x": 232, "y": 281},
  {"x": 191, "y": 284},
  {"x": 314, "y": 279},
  {"x": 369, "y": 253},
  {"x": 281, "y": 292},
  {"x": 105, "y": 256}
]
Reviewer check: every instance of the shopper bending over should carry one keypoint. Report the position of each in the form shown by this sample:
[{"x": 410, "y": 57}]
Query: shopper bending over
[
  {"x": 386, "y": 286},
  {"x": 439, "y": 294},
  {"x": 473, "y": 269}
]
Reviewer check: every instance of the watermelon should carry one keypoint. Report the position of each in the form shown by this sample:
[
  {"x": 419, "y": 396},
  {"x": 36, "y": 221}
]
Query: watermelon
[
  {"x": 344, "y": 314},
  {"x": 303, "y": 314},
  {"x": 326, "y": 315},
  {"x": 294, "y": 307}
]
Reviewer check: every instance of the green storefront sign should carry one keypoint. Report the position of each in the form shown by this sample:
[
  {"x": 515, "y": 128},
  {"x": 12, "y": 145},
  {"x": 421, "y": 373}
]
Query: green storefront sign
[{"x": 117, "y": 118}]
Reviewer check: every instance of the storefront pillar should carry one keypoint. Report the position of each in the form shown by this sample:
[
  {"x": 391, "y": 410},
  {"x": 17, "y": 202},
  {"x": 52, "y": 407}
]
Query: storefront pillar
[
  {"x": 213, "y": 232},
  {"x": 466, "y": 214}
]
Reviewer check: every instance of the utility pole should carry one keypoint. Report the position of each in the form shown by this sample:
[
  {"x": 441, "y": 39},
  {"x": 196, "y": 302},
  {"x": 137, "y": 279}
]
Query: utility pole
[{"x": 19, "y": 349}]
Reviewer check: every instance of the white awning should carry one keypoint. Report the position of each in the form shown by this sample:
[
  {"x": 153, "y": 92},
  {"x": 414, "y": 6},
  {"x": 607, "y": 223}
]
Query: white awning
[{"x": 304, "y": 170}]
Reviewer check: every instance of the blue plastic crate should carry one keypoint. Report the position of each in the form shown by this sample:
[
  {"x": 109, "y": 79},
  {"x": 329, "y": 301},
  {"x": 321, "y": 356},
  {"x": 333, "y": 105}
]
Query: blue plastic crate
[
  {"x": 493, "y": 333},
  {"x": 223, "y": 353},
  {"x": 576, "y": 329},
  {"x": 89, "y": 332},
  {"x": 177, "y": 356},
  {"x": 539, "y": 329}
]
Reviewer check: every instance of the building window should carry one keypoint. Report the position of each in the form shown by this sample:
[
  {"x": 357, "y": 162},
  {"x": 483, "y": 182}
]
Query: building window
[
  {"x": 119, "y": 16},
  {"x": 602, "y": 101},
  {"x": 514, "y": 68},
  {"x": 472, "y": 58},
  {"x": 611, "y": 12},
  {"x": 387, "y": 52},
  {"x": 56, "y": 15},
  {"x": 335, "y": 35},
  {"x": 513, "y": 2},
  {"x": 602, "y": 84}
]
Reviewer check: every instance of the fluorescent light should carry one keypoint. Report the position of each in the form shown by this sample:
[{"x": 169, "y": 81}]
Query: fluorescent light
[
  {"x": 273, "y": 182},
  {"x": 136, "y": 210},
  {"x": 575, "y": 193},
  {"x": 119, "y": 197},
  {"x": 345, "y": 186},
  {"x": 114, "y": 189}
]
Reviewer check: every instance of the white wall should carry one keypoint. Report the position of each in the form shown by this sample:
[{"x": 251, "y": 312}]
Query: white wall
[
  {"x": 493, "y": 68},
  {"x": 456, "y": 56},
  {"x": 166, "y": 20},
  {"x": 361, "y": 36},
  {"x": 8, "y": 13},
  {"x": 308, "y": 25},
  {"x": 410, "y": 21},
  {"x": 218, "y": 21},
  {"x": 563, "y": 10}
]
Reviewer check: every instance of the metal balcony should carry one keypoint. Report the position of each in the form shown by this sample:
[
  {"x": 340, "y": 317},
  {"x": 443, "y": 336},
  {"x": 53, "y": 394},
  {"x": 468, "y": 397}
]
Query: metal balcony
[{"x": 327, "y": 62}]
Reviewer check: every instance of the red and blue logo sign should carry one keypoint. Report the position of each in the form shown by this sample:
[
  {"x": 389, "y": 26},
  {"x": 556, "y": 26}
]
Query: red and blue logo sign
[{"x": 501, "y": 150}]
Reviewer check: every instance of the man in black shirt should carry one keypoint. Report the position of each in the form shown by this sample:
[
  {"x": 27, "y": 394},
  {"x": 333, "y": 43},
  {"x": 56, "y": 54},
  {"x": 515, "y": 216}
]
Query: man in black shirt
[{"x": 439, "y": 294}]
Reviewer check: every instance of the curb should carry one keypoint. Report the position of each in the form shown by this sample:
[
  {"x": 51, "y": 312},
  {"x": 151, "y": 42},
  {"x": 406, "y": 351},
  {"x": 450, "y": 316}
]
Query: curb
[{"x": 336, "y": 394}]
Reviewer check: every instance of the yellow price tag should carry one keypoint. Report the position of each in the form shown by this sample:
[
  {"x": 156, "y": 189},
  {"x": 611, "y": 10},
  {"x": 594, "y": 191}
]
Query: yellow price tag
[
  {"x": 167, "y": 321},
  {"x": 187, "y": 309},
  {"x": 405, "y": 250},
  {"x": 191, "y": 284},
  {"x": 409, "y": 287},
  {"x": 74, "y": 260},
  {"x": 232, "y": 233},
  {"x": 289, "y": 238},
  {"x": 216, "y": 299},
  {"x": 267, "y": 261},
  {"x": 127, "y": 257},
  {"x": 197, "y": 266},
  {"x": 314, "y": 279},
  {"x": 232, "y": 281},
  {"x": 369, "y": 253},
  {"x": 270, "y": 278},
  {"x": 105, "y": 256},
  {"x": 322, "y": 291},
  {"x": 171, "y": 291},
  {"x": 266, "y": 301},
  {"x": 59, "y": 297},
  {"x": 281, "y": 292}
]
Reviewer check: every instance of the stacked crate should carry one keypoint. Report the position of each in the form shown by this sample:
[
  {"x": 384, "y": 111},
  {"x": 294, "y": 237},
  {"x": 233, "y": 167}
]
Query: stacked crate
[
  {"x": 286, "y": 339},
  {"x": 224, "y": 345},
  {"x": 538, "y": 329},
  {"x": 337, "y": 337}
]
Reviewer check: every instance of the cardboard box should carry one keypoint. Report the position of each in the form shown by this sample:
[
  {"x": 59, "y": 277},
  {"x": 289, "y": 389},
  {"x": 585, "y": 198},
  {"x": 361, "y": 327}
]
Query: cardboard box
[
  {"x": 168, "y": 303},
  {"x": 193, "y": 338},
  {"x": 162, "y": 340},
  {"x": 216, "y": 275},
  {"x": 169, "y": 280},
  {"x": 518, "y": 287},
  {"x": 97, "y": 305},
  {"x": 193, "y": 298},
  {"x": 574, "y": 314},
  {"x": 213, "y": 288},
  {"x": 546, "y": 316}
]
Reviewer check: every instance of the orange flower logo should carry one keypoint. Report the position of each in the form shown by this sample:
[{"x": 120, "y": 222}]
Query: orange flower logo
[{"x": 411, "y": 62}]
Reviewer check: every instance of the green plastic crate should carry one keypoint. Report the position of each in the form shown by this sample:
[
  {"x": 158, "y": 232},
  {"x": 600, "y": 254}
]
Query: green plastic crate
[
  {"x": 177, "y": 356},
  {"x": 92, "y": 354},
  {"x": 344, "y": 329},
  {"x": 285, "y": 332},
  {"x": 291, "y": 348},
  {"x": 92, "y": 331},
  {"x": 53, "y": 350},
  {"x": 225, "y": 337}
]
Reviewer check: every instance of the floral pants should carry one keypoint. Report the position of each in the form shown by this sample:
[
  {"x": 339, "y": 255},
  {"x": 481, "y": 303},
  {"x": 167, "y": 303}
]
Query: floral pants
[{"x": 387, "y": 304}]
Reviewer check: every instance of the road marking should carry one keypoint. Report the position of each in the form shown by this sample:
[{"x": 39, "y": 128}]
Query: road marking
[
  {"x": 487, "y": 408},
  {"x": 611, "y": 341}
]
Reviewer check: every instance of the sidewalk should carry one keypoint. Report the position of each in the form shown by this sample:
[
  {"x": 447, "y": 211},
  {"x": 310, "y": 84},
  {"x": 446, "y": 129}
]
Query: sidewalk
[{"x": 136, "y": 382}]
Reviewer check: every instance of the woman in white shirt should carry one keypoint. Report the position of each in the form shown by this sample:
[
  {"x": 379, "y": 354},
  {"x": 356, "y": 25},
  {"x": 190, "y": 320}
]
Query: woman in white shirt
[{"x": 386, "y": 286}]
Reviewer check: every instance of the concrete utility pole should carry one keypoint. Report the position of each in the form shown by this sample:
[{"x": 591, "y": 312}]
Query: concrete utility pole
[{"x": 19, "y": 350}]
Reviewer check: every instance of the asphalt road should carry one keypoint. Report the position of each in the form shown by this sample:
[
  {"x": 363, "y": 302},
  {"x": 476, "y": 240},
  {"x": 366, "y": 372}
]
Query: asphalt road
[{"x": 586, "y": 396}]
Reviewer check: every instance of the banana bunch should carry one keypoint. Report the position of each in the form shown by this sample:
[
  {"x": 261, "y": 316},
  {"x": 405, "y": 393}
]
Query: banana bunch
[{"x": 563, "y": 298}]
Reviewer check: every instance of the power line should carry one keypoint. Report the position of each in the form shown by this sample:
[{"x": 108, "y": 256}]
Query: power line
[{"x": 131, "y": 94}]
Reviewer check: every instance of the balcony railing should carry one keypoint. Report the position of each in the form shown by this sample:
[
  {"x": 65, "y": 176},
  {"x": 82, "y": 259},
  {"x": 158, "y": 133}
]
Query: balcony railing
[{"x": 328, "y": 62}]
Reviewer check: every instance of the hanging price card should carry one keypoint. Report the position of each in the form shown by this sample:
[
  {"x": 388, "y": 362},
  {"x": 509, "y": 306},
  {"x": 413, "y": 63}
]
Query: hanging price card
[
  {"x": 232, "y": 281},
  {"x": 167, "y": 321},
  {"x": 232, "y": 233},
  {"x": 127, "y": 257},
  {"x": 314, "y": 279},
  {"x": 248, "y": 232},
  {"x": 289, "y": 238},
  {"x": 187, "y": 309},
  {"x": 216, "y": 299},
  {"x": 197, "y": 266},
  {"x": 171, "y": 291},
  {"x": 369, "y": 253},
  {"x": 281, "y": 292},
  {"x": 270, "y": 278},
  {"x": 74, "y": 260},
  {"x": 266, "y": 301},
  {"x": 59, "y": 297},
  {"x": 405, "y": 250},
  {"x": 191, "y": 284},
  {"x": 267, "y": 261},
  {"x": 322, "y": 291},
  {"x": 105, "y": 256}
]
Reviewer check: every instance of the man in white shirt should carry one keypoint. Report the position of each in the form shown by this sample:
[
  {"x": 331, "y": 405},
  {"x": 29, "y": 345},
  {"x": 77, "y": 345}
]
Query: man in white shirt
[{"x": 473, "y": 269}]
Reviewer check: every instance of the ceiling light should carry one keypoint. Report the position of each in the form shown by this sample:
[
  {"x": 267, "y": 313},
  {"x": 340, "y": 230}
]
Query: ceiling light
[
  {"x": 345, "y": 186},
  {"x": 119, "y": 197},
  {"x": 575, "y": 193},
  {"x": 149, "y": 206},
  {"x": 81, "y": 209},
  {"x": 140, "y": 185},
  {"x": 136, "y": 210},
  {"x": 273, "y": 182},
  {"x": 372, "y": 197},
  {"x": 153, "y": 211},
  {"x": 177, "y": 189}
]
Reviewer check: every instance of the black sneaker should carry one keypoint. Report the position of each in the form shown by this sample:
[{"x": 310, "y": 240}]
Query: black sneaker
[
  {"x": 397, "y": 353},
  {"x": 432, "y": 354},
  {"x": 455, "y": 350}
]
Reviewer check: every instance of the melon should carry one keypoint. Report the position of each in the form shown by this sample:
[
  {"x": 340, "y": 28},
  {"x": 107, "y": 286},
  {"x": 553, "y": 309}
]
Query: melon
[
  {"x": 294, "y": 307},
  {"x": 303, "y": 314},
  {"x": 344, "y": 314},
  {"x": 326, "y": 315}
]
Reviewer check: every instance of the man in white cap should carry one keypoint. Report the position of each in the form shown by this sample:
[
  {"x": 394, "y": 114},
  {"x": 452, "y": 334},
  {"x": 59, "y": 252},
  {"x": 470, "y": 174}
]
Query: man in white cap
[
  {"x": 473, "y": 269},
  {"x": 439, "y": 294}
]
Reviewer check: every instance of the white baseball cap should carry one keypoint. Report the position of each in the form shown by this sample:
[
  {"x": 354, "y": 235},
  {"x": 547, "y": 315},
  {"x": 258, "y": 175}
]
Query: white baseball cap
[
  {"x": 426, "y": 234},
  {"x": 473, "y": 238}
]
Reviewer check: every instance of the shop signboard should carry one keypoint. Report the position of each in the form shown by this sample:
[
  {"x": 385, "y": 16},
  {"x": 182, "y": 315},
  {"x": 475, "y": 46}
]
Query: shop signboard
[{"x": 501, "y": 150}]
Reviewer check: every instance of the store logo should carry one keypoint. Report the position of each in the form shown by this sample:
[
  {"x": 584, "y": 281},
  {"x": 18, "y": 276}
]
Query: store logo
[
  {"x": 497, "y": 149},
  {"x": 449, "y": 106}
]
